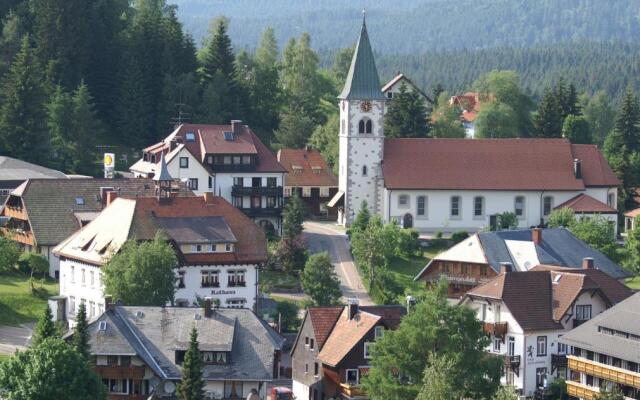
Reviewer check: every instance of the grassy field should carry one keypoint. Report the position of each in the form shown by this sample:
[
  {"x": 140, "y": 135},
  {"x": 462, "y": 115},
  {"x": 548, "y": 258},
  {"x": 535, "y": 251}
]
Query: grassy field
[
  {"x": 634, "y": 283},
  {"x": 4, "y": 357},
  {"x": 17, "y": 304},
  {"x": 405, "y": 270},
  {"x": 273, "y": 280}
]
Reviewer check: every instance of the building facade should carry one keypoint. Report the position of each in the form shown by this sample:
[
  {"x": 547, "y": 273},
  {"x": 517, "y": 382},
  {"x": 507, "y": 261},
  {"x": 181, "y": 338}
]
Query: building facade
[
  {"x": 229, "y": 161},
  {"x": 603, "y": 353},
  {"x": 528, "y": 340},
  {"x": 392, "y": 88},
  {"x": 135, "y": 359},
  {"x": 451, "y": 185}
]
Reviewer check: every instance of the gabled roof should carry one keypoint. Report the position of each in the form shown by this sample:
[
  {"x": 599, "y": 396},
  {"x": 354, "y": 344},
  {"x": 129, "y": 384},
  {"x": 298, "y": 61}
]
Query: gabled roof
[
  {"x": 345, "y": 335},
  {"x": 323, "y": 319},
  {"x": 135, "y": 330},
  {"x": 315, "y": 171},
  {"x": 552, "y": 291},
  {"x": 402, "y": 77},
  {"x": 13, "y": 169},
  {"x": 52, "y": 204},
  {"x": 492, "y": 164},
  {"x": 583, "y": 203},
  {"x": 182, "y": 218},
  {"x": 599, "y": 333},
  {"x": 558, "y": 247},
  {"x": 363, "y": 82}
]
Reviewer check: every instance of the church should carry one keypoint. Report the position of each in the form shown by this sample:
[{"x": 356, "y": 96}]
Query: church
[{"x": 449, "y": 185}]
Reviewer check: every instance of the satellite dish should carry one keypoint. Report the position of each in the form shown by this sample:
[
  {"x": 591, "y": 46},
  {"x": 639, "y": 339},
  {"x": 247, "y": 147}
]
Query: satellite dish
[
  {"x": 169, "y": 387},
  {"x": 154, "y": 382}
]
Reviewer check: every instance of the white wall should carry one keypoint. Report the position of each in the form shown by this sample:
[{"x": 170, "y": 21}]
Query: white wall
[
  {"x": 195, "y": 170},
  {"x": 439, "y": 205},
  {"x": 71, "y": 285},
  {"x": 300, "y": 390}
]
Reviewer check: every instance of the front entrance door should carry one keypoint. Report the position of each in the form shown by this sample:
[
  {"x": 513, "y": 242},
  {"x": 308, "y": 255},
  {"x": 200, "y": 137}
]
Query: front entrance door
[{"x": 407, "y": 221}]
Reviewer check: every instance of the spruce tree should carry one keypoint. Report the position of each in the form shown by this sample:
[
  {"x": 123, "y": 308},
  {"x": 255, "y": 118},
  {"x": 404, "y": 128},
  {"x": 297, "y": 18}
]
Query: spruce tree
[
  {"x": 295, "y": 129},
  {"x": 293, "y": 216},
  {"x": 86, "y": 129},
  {"x": 627, "y": 123},
  {"x": 60, "y": 123},
  {"x": 361, "y": 221},
  {"x": 45, "y": 328},
  {"x": 218, "y": 56},
  {"x": 407, "y": 115},
  {"x": 23, "y": 132},
  {"x": 549, "y": 118},
  {"x": 191, "y": 387},
  {"x": 80, "y": 333}
]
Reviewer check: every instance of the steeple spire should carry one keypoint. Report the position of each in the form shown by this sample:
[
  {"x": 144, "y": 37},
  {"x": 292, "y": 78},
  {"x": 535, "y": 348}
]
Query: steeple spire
[
  {"x": 163, "y": 179},
  {"x": 362, "y": 82}
]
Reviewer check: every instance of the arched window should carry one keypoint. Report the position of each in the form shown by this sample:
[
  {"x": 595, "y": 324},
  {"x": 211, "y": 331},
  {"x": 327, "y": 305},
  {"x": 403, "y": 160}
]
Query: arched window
[
  {"x": 364, "y": 170},
  {"x": 365, "y": 126}
]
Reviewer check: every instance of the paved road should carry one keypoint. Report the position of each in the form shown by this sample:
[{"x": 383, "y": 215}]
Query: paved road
[
  {"x": 15, "y": 338},
  {"x": 324, "y": 237}
]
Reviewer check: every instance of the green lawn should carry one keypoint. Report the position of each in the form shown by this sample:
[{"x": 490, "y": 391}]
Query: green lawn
[
  {"x": 4, "y": 357},
  {"x": 634, "y": 283},
  {"x": 405, "y": 270},
  {"x": 17, "y": 304},
  {"x": 274, "y": 280}
]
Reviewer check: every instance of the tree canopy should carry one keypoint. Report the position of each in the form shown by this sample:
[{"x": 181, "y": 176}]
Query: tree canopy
[{"x": 319, "y": 280}]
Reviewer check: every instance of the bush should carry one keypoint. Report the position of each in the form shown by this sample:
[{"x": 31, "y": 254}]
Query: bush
[
  {"x": 407, "y": 243},
  {"x": 459, "y": 236},
  {"x": 507, "y": 220},
  {"x": 563, "y": 217}
]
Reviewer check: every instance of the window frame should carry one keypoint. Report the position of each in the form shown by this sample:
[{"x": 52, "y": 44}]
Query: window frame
[
  {"x": 482, "y": 207},
  {"x": 407, "y": 202},
  {"x": 497, "y": 342},
  {"x": 366, "y": 351},
  {"x": 547, "y": 209},
  {"x": 458, "y": 207},
  {"x": 346, "y": 376},
  {"x": 583, "y": 307},
  {"x": 541, "y": 340},
  {"x": 523, "y": 211},
  {"x": 421, "y": 199},
  {"x": 184, "y": 162}
]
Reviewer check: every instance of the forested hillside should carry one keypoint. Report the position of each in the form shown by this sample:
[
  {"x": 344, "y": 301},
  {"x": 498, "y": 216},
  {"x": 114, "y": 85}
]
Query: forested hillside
[{"x": 414, "y": 26}]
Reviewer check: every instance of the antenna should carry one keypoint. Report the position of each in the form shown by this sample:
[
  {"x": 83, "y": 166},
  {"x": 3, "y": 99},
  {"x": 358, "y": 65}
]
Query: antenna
[{"x": 182, "y": 116}]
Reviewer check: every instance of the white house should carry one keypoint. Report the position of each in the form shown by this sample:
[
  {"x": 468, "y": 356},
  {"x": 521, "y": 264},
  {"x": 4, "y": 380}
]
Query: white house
[
  {"x": 219, "y": 250},
  {"x": 229, "y": 161},
  {"x": 454, "y": 184},
  {"x": 392, "y": 88},
  {"x": 525, "y": 313}
]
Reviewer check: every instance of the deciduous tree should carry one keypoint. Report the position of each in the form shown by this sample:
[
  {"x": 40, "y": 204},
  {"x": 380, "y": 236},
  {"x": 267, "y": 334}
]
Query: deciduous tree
[
  {"x": 576, "y": 128},
  {"x": 9, "y": 254},
  {"x": 496, "y": 120},
  {"x": 319, "y": 280}
]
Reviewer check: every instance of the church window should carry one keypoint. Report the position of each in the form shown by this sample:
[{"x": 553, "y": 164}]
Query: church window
[
  {"x": 547, "y": 205},
  {"x": 403, "y": 200},
  {"x": 364, "y": 170},
  {"x": 519, "y": 206},
  {"x": 422, "y": 206},
  {"x": 365, "y": 126},
  {"x": 368, "y": 128},
  {"x": 455, "y": 206},
  {"x": 478, "y": 206}
]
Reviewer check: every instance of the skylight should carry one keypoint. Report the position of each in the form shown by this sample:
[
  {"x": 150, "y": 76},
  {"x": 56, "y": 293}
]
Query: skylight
[
  {"x": 190, "y": 136},
  {"x": 80, "y": 201},
  {"x": 102, "y": 326},
  {"x": 228, "y": 136}
]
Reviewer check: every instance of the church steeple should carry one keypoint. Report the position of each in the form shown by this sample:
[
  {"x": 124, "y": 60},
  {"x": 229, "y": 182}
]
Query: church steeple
[
  {"x": 163, "y": 179},
  {"x": 362, "y": 82}
]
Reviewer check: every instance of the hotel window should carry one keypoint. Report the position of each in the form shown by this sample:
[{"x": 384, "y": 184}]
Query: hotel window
[
  {"x": 236, "y": 278},
  {"x": 237, "y": 160},
  {"x": 82, "y": 276},
  {"x": 210, "y": 184},
  {"x": 542, "y": 346},
  {"x": 478, "y": 206},
  {"x": 287, "y": 192},
  {"x": 484, "y": 312},
  {"x": 455, "y": 206},
  {"x": 226, "y": 160},
  {"x": 379, "y": 332},
  {"x": 367, "y": 350},
  {"x": 73, "y": 274},
  {"x": 511, "y": 346},
  {"x": 228, "y": 247},
  {"x": 193, "y": 183},
  {"x": 547, "y": 205},
  {"x": 583, "y": 312},
  {"x": 496, "y": 345},
  {"x": 403, "y": 201},
  {"x": 519, "y": 206},
  {"x": 246, "y": 160},
  {"x": 237, "y": 201},
  {"x": 256, "y": 182},
  {"x": 352, "y": 376},
  {"x": 256, "y": 202},
  {"x": 209, "y": 159},
  {"x": 180, "y": 280},
  {"x": 119, "y": 386},
  {"x": 311, "y": 343},
  {"x": 611, "y": 200},
  {"x": 92, "y": 309},
  {"x": 324, "y": 191},
  {"x": 72, "y": 305},
  {"x": 562, "y": 348},
  {"x": 306, "y": 191},
  {"x": 209, "y": 279},
  {"x": 236, "y": 303},
  {"x": 184, "y": 162},
  {"x": 91, "y": 278},
  {"x": 316, "y": 369}
]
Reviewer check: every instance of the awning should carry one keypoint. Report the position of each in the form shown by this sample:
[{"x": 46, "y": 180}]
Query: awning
[{"x": 335, "y": 199}]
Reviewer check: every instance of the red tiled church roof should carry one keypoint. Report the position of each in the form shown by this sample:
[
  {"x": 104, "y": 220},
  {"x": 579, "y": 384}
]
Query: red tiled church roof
[{"x": 492, "y": 164}]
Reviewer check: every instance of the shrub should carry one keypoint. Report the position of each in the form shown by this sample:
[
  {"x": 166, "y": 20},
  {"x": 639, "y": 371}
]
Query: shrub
[{"x": 459, "y": 236}]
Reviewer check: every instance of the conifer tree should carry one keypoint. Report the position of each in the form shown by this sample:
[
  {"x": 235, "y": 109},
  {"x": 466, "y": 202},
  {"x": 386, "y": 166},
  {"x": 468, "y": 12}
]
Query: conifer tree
[
  {"x": 191, "y": 387},
  {"x": 60, "y": 123},
  {"x": 45, "y": 328},
  {"x": 86, "y": 129},
  {"x": 293, "y": 216},
  {"x": 407, "y": 115},
  {"x": 319, "y": 280},
  {"x": 81, "y": 334},
  {"x": 23, "y": 132},
  {"x": 549, "y": 118},
  {"x": 295, "y": 129},
  {"x": 361, "y": 221}
]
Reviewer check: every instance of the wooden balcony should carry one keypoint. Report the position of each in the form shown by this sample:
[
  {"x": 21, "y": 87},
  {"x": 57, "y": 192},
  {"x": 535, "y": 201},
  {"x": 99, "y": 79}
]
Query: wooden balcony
[
  {"x": 119, "y": 372},
  {"x": 497, "y": 329},
  {"x": 351, "y": 390},
  {"x": 15, "y": 212},
  {"x": 581, "y": 391},
  {"x": 20, "y": 236},
  {"x": 604, "y": 371}
]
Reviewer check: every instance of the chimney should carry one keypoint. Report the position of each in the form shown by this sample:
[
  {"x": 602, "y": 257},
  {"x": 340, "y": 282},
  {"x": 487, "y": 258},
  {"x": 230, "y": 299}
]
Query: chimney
[
  {"x": 587, "y": 263},
  {"x": 536, "y": 235},
  {"x": 577, "y": 168},
  {"x": 236, "y": 126},
  {"x": 207, "y": 307},
  {"x": 208, "y": 197},
  {"x": 505, "y": 267},
  {"x": 111, "y": 196},
  {"x": 108, "y": 303},
  {"x": 352, "y": 308}
]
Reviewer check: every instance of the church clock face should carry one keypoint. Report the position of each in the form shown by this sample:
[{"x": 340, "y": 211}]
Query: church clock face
[{"x": 365, "y": 106}]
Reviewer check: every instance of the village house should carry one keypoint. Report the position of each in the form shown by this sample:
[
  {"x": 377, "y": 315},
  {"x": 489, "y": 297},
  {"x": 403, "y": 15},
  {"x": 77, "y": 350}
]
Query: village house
[
  {"x": 331, "y": 350},
  {"x": 229, "y": 161},
  {"x": 309, "y": 175},
  {"x": 392, "y": 88},
  {"x": 41, "y": 213},
  {"x": 604, "y": 352},
  {"x": 135, "y": 358},
  {"x": 526, "y": 313},
  {"x": 469, "y": 105},
  {"x": 452, "y": 185},
  {"x": 13, "y": 172},
  {"x": 219, "y": 249},
  {"x": 478, "y": 259}
]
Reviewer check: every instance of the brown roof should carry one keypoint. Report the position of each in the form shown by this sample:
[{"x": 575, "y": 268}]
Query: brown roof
[
  {"x": 552, "y": 289},
  {"x": 492, "y": 164},
  {"x": 583, "y": 203},
  {"x": 209, "y": 139},
  {"x": 633, "y": 213},
  {"x": 345, "y": 336},
  {"x": 323, "y": 320},
  {"x": 315, "y": 171},
  {"x": 251, "y": 244}
]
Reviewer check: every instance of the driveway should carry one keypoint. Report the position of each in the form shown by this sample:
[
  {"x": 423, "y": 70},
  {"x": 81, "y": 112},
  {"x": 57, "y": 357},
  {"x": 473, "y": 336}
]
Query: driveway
[
  {"x": 325, "y": 237},
  {"x": 14, "y": 338}
]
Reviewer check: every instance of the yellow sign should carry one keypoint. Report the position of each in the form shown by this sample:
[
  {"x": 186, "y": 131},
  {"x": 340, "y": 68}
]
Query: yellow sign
[{"x": 108, "y": 160}]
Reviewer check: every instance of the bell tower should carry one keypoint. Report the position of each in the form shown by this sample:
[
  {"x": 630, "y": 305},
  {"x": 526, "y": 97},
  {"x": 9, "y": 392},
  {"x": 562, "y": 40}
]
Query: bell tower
[{"x": 361, "y": 138}]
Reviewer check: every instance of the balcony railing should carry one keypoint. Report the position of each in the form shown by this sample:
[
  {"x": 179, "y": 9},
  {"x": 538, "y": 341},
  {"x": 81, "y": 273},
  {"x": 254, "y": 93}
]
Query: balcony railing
[
  {"x": 262, "y": 212},
  {"x": 119, "y": 372},
  {"x": 558, "y": 361},
  {"x": 238, "y": 190},
  {"x": 460, "y": 279},
  {"x": 351, "y": 390},
  {"x": 513, "y": 363},
  {"x": 497, "y": 329},
  {"x": 581, "y": 391},
  {"x": 18, "y": 235},
  {"x": 604, "y": 371},
  {"x": 15, "y": 212}
]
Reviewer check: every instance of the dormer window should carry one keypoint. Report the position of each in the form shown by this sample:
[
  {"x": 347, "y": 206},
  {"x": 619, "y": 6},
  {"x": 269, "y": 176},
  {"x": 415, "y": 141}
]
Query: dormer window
[
  {"x": 228, "y": 136},
  {"x": 80, "y": 201},
  {"x": 316, "y": 170},
  {"x": 190, "y": 137},
  {"x": 297, "y": 169},
  {"x": 214, "y": 357}
]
